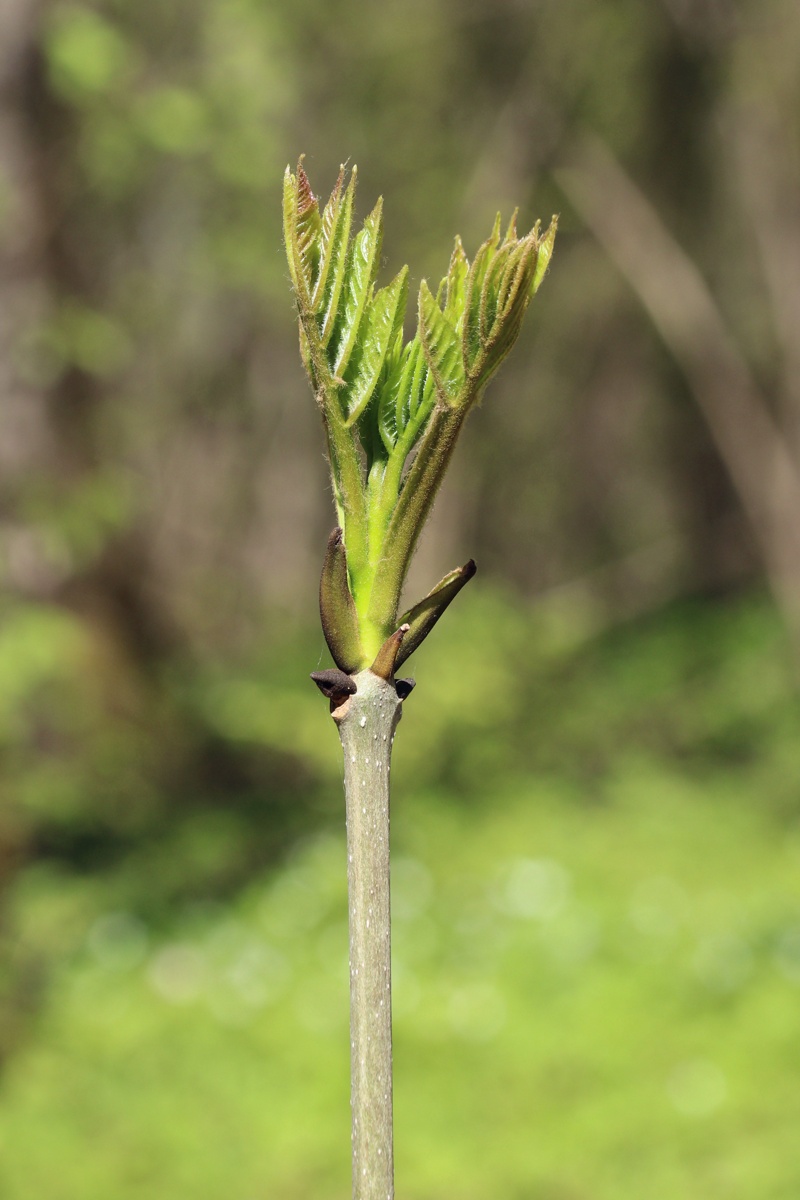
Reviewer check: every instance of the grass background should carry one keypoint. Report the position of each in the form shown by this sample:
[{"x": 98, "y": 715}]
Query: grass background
[{"x": 596, "y": 944}]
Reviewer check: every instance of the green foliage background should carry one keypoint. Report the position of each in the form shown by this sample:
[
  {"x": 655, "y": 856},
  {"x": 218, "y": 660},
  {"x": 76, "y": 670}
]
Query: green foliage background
[{"x": 596, "y": 813}]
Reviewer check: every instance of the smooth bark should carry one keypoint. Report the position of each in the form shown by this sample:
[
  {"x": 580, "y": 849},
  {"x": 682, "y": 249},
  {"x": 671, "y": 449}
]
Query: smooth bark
[{"x": 367, "y": 721}]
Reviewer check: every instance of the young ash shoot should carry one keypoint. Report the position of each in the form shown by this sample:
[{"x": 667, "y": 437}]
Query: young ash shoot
[{"x": 392, "y": 411}]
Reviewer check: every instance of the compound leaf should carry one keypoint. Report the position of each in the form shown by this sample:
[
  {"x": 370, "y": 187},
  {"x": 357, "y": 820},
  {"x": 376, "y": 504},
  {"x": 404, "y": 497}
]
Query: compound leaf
[{"x": 442, "y": 348}]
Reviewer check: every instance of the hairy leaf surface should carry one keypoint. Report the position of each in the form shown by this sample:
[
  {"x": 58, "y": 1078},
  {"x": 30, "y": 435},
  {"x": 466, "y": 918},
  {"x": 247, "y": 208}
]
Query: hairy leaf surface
[
  {"x": 362, "y": 267},
  {"x": 333, "y": 270},
  {"x": 308, "y": 229},
  {"x": 407, "y": 398},
  {"x": 455, "y": 282},
  {"x": 327, "y": 223},
  {"x": 377, "y": 334},
  {"x": 442, "y": 347},
  {"x": 381, "y": 399},
  {"x": 290, "y": 232},
  {"x": 545, "y": 254}
]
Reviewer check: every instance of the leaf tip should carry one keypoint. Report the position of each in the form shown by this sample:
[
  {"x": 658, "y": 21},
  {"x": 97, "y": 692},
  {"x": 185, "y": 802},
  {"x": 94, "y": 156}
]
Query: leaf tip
[
  {"x": 544, "y": 248},
  {"x": 511, "y": 231},
  {"x": 386, "y": 657},
  {"x": 423, "y": 616},
  {"x": 305, "y": 197}
]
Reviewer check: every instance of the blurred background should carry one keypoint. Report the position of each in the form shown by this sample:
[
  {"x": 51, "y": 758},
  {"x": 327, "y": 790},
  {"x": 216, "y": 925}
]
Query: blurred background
[{"x": 596, "y": 792}]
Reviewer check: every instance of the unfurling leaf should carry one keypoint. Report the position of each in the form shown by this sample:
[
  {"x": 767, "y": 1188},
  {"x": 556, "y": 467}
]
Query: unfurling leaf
[
  {"x": 333, "y": 270},
  {"x": 545, "y": 254},
  {"x": 377, "y": 334},
  {"x": 393, "y": 410},
  {"x": 423, "y": 616},
  {"x": 501, "y": 283},
  {"x": 308, "y": 228},
  {"x": 442, "y": 348},
  {"x": 362, "y": 267},
  {"x": 406, "y": 399},
  {"x": 454, "y": 286}
]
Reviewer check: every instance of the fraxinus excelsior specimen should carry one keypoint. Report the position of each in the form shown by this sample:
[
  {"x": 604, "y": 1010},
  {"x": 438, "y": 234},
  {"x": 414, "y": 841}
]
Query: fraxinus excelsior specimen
[{"x": 392, "y": 410}]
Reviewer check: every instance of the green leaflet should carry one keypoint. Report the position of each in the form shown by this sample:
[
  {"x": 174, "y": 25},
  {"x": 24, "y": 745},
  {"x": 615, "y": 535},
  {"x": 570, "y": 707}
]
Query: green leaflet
[
  {"x": 511, "y": 231},
  {"x": 517, "y": 274},
  {"x": 442, "y": 348},
  {"x": 421, "y": 402},
  {"x": 498, "y": 349},
  {"x": 501, "y": 283},
  {"x": 328, "y": 220},
  {"x": 413, "y": 386},
  {"x": 333, "y": 269},
  {"x": 506, "y": 296},
  {"x": 330, "y": 209},
  {"x": 490, "y": 293},
  {"x": 371, "y": 440},
  {"x": 545, "y": 254},
  {"x": 377, "y": 334},
  {"x": 386, "y": 410},
  {"x": 406, "y": 400},
  {"x": 308, "y": 228},
  {"x": 423, "y": 616},
  {"x": 471, "y": 327},
  {"x": 455, "y": 285},
  {"x": 289, "y": 233},
  {"x": 302, "y": 229},
  {"x": 362, "y": 267}
]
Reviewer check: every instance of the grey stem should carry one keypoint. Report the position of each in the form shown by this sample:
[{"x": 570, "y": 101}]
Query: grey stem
[{"x": 367, "y": 721}]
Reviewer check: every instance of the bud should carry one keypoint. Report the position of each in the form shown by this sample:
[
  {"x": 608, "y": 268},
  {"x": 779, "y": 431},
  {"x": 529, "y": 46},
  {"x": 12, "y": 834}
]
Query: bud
[
  {"x": 423, "y": 616},
  {"x": 393, "y": 410},
  {"x": 477, "y": 315},
  {"x": 337, "y": 610}
]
